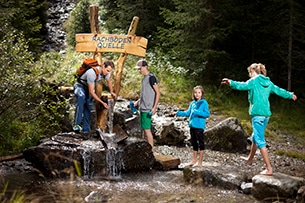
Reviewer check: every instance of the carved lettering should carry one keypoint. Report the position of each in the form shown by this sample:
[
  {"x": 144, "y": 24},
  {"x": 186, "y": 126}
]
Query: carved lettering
[
  {"x": 111, "y": 42},
  {"x": 115, "y": 43}
]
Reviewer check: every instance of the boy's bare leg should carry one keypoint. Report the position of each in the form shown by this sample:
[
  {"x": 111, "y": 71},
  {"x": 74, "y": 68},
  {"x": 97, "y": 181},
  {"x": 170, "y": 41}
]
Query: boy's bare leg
[
  {"x": 149, "y": 137},
  {"x": 194, "y": 158},
  {"x": 265, "y": 155},
  {"x": 250, "y": 157}
]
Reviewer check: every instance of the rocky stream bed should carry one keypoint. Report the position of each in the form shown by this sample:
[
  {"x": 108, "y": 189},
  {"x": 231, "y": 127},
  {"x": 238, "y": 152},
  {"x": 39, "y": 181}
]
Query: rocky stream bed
[{"x": 155, "y": 185}]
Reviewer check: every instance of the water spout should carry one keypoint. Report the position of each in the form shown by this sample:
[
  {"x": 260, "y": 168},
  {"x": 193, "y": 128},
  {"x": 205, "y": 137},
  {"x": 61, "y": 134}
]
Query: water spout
[{"x": 110, "y": 115}]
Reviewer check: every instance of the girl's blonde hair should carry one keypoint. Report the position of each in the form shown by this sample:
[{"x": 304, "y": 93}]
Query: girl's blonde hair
[
  {"x": 200, "y": 88},
  {"x": 258, "y": 68}
]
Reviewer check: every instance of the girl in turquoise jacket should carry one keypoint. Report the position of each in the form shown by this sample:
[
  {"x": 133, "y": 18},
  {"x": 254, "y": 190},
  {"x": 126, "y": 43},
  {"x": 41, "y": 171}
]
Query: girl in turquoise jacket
[
  {"x": 197, "y": 112},
  {"x": 259, "y": 88}
]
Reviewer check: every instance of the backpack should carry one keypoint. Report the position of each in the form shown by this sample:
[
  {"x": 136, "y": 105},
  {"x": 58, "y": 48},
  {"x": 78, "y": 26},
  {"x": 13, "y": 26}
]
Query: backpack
[
  {"x": 86, "y": 65},
  {"x": 152, "y": 80}
]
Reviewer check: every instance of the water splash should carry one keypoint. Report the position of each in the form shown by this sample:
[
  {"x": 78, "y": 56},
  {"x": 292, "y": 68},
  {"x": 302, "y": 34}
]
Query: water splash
[{"x": 113, "y": 157}]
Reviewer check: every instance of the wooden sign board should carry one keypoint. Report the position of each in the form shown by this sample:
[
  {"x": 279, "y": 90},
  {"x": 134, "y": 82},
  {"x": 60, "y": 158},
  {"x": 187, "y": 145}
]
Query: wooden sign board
[{"x": 134, "y": 45}]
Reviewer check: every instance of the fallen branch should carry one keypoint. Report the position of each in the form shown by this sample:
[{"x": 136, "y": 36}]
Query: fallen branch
[
  {"x": 11, "y": 157},
  {"x": 63, "y": 88}
]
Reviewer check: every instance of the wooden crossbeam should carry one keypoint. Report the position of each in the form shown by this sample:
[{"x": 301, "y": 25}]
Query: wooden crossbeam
[{"x": 134, "y": 45}]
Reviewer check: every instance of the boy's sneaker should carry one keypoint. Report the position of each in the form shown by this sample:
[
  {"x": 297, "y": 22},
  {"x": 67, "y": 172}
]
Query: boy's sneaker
[{"x": 77, "y": 128}]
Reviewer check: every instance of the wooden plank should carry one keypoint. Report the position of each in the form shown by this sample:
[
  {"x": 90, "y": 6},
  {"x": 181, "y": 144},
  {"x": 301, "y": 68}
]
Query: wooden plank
[
  {"x": 167, "y": 161},
  {"x": 114, "y": 39},
  {"x": 120, "y": 134}
]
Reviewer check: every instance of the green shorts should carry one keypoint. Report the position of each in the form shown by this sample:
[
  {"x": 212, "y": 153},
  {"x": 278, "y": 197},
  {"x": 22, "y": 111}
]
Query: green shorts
[{"x": 145, "y": 120}]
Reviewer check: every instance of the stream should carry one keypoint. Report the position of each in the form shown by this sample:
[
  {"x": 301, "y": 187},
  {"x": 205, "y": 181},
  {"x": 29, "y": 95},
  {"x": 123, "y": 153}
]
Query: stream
[{"x": 150, "y": 186}]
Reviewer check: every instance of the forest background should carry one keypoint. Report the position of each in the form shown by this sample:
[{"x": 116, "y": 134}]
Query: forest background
[{"x": 189, "y": 43}]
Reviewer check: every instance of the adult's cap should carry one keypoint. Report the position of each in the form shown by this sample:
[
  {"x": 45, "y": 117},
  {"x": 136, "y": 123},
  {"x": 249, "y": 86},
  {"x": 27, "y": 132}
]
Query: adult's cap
[{"x": 141, "y": 63}]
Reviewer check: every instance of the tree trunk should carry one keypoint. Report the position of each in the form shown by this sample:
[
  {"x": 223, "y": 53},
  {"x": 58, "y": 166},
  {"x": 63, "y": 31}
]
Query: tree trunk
[{"x": 290, "y": 46}]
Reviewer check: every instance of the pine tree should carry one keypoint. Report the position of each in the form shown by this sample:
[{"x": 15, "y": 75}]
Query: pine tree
[
  {"x": 79, "y": 21},
  {"x": 26, "y": 16}
]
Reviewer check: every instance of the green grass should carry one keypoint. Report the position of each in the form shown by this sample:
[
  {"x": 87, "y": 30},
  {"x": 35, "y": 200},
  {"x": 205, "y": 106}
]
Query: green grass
[{"x": 293, "y": 154}]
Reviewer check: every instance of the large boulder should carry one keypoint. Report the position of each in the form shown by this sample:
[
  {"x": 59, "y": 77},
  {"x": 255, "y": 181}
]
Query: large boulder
[
  {"x": 227, "y": 136},
  {"x": 277, "y": 186},
  {"x": 68, "y": 153},
  {"x": 167, "y": 133},
  {"x": 213, "y": 174}
]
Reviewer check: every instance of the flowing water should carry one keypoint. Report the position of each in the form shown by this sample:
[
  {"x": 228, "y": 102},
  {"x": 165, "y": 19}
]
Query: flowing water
[
  {"x": 87, "y": 158},
  {"x": 151, "y": 186},
  {"x": 113, "y": 164}
]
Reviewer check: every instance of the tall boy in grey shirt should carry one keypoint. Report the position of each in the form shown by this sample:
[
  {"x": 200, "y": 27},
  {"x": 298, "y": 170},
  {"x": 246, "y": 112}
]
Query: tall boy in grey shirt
[{"x": 148, "y": 102}]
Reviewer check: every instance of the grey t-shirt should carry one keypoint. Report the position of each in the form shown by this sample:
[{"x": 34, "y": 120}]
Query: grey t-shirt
[
  {"x": 89, "y": 77},
  {"x": 148, "y": 94}
]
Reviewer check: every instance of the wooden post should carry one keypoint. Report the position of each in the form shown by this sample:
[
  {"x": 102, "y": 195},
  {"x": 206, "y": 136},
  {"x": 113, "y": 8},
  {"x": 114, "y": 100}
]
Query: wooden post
[
  {"x": 101, "y": 112},
  {"x": 123, "y": 56}
]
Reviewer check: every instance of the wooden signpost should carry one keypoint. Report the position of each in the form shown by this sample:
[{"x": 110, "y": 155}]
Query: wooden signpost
[
  {"x": 98, "y": 43},
  {"x": 111, "y": 43}
]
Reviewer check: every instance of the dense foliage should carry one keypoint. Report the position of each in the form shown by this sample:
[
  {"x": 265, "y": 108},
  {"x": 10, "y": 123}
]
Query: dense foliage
[
  {"x": 28, "y": 104},
  {"x": 26, "y": 16},
  {"x": 216, "y": 38}
]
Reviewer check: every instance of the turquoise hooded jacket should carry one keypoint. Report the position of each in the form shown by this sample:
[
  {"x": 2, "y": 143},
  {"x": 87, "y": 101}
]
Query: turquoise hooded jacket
[
  {"x": 197, "y": 112},
  {"x": 259, "y": 89}
]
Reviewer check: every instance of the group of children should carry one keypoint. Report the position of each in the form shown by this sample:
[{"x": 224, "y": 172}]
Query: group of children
[{"x": 259, "y": 88}]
